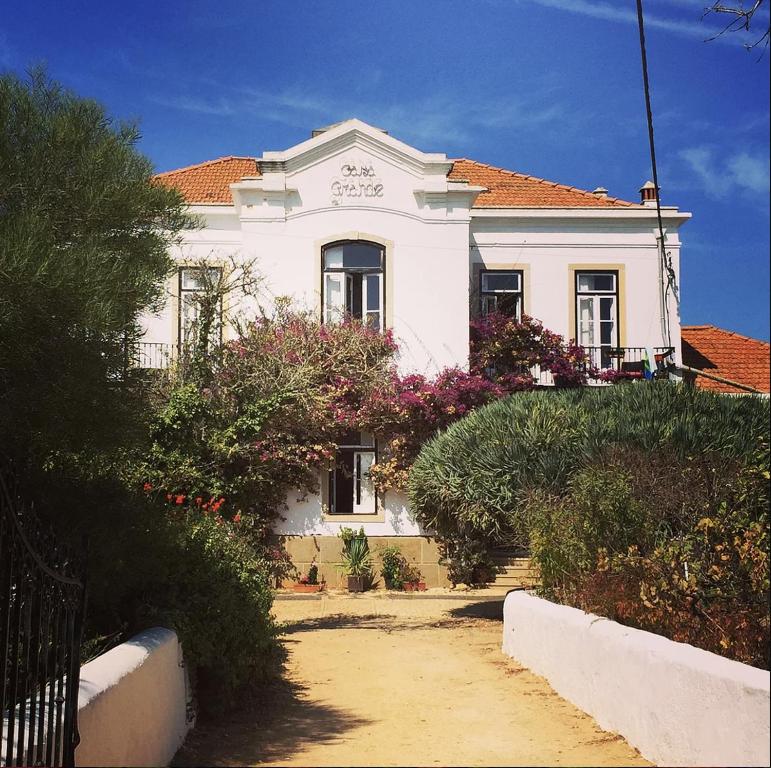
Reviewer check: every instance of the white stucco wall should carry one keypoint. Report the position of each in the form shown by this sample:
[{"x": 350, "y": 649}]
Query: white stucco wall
[
  {"x": 546, "y": 248},
  {"x": 677, "y": 704},
  {"x": 304, "y": 516},
  {"x": 132, "y": 703}
]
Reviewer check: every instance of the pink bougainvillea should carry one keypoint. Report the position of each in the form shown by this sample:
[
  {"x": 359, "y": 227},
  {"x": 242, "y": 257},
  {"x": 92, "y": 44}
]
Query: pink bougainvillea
[{"x": 279, "y": 398}]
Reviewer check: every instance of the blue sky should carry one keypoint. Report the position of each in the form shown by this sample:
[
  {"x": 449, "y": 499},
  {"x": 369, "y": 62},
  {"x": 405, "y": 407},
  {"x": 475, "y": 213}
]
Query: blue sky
[{"x": 547, "y": 87}]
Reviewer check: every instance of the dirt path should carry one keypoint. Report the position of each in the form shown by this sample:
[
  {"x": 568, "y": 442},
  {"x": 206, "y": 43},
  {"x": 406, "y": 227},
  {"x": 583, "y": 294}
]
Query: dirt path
[{"x": 377, "y": 681}]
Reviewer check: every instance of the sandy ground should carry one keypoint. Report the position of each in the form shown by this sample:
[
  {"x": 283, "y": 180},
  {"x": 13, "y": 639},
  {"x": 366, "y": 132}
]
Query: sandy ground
[{"x": 415, "y": 682}]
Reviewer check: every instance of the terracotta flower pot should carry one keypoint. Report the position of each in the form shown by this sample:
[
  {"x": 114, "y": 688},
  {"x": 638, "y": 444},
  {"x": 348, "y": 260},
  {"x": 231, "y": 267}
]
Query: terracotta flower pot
[
  {"x": 356, "y": 584},
  {"x": 414, "y": 586},
  {"x": 298, "y": 587}
]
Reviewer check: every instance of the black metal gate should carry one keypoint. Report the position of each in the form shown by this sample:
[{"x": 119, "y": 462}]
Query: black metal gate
[{"x": 42, "y": 602}]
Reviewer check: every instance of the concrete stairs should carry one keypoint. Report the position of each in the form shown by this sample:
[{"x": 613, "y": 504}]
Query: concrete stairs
[{"x": 514, "y": 569}]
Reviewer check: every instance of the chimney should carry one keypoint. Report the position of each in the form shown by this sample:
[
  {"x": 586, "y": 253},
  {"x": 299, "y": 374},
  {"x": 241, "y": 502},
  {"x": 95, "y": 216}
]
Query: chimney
[
  {"x": 648, "y": 194},
  {"x": 600, "y": 192}
]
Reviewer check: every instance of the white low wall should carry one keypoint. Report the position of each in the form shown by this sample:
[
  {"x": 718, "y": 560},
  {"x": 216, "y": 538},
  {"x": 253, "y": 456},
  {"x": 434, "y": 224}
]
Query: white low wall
[
  {"x": 132, "y": 703},
  {"x": 677, "y": 704}
]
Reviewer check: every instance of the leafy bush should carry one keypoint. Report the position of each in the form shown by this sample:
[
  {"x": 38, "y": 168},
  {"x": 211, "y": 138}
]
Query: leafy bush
[
  {"x": 393, "y": 562},
  {"x": 217, "y": 595},
  {"x": 679, "y": 548},
  {"x": 645, "y": 502}
]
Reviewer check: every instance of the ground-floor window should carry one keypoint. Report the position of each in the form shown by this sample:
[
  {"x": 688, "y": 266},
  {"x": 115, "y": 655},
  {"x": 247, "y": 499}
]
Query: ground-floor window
[{"x": 350, "y": 486}]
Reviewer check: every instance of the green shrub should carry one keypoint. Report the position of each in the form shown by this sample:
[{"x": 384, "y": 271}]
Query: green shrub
[
  {"x": 647, "y": 503},
  {"x": 217, "y": 595},
  {"x": 393, "y": 563}
]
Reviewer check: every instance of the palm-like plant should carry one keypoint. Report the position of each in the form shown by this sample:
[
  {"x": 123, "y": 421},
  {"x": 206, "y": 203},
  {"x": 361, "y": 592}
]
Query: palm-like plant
[{"x": 357, "y": 559}]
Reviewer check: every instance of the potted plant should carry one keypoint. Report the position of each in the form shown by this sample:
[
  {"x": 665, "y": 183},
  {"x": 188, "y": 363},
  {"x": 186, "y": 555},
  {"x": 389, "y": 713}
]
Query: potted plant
[
  {"x": 393, "y": 563},
  {"x": 412, "y": 579},
  {"x": 310, "y": 582},
  {"x": 357, "y": 560}
]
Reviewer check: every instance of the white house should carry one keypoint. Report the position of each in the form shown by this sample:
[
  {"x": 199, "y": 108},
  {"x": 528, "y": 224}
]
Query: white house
[{"x": 355, "y": 220}]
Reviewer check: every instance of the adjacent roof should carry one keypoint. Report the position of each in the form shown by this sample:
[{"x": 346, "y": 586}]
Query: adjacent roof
[
  {"x": 508, "y": 189},
  {"x": 208, "y": 183},
  {"x": 726, "y": 354}
]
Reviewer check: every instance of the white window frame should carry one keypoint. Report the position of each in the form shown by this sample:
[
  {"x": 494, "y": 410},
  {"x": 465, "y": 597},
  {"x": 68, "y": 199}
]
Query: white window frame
[
  {"x": 186, "y": 295},
  {"x": 489, "y": 296},
  {"x": 366, "y": 447},
  {"x": 335, "y": 312},
  {"x": 595, "y": 297}
]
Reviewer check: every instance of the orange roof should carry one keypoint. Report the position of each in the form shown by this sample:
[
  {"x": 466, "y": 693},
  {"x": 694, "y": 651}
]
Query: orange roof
[
  {"x": 209, "y": 183},
  {"x": 507, "y": 189},
  {"x": 727, "y": 354}
]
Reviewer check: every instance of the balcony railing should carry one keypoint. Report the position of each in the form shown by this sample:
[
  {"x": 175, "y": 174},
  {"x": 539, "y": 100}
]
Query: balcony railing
[
  {"x": 158, "y": 356},
  {"x": 154, "y": 356},
  {"x": 626, "y": 359}
]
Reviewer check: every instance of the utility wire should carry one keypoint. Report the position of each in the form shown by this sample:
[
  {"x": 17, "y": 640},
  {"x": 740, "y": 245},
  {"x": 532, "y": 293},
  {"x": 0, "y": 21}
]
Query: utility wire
[{"x": 665, "y": 262}]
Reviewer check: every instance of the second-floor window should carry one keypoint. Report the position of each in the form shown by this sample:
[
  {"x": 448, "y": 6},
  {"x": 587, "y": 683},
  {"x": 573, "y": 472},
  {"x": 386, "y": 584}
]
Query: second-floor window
[
  {"x": 500, "y": 290},
  {"x": 353, "y": 282},
  {"x": 196, "y": 286},
  {"x": 597, "y": 311}
]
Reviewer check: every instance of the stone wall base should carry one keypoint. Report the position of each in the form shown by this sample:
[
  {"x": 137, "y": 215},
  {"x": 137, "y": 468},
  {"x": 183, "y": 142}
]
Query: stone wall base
[{"x": 326, "y": 552}]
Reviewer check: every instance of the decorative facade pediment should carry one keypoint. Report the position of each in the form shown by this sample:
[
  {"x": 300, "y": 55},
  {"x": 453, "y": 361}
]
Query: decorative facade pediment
[{"x": 352, "y": 164}]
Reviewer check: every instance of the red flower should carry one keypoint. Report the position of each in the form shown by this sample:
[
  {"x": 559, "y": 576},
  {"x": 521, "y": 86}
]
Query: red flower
[
  {"x": 180, "y": 499},
  {"x": 237, "y": 517},
  {"x": 147, "y": 487}
]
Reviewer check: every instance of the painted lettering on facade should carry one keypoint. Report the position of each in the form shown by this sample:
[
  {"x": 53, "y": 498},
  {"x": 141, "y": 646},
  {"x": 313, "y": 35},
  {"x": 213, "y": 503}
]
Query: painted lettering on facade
[{"x": 357, "y": 180}]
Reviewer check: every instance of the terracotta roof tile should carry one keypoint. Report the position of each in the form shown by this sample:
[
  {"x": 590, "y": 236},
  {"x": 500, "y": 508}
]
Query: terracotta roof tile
[
  {"x": 209, "y": 182},
  {"x": 726, "y": 354},
  {"x": 508, "y": 189}
]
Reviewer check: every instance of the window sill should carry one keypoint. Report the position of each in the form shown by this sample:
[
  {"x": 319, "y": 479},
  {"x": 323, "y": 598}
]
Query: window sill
[{"x": 360, "y": 518}]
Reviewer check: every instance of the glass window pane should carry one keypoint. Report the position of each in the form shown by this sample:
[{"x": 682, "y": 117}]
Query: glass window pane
[
  {"x": 333, "y": 257},
  {"x": 334, "y": 299},
  {"x": 606, "y": 308},
  {"x": 500, "y": 281},
  {"x": 193, "y": 278},
  {"x": 373, "y": 293},
  {"x": 508, "y": 304},
  {"x": 597, "y": 281},
  {"x": 606, "y": 333},
  {"x": 354, "y": 288},
  {"x": 489, "y": 304},
  {"x": 586, "y": 310},
  {"x": 363, "y": 492},
  {"x": 361, "y": 256},
  {"x": 353, "y": 256}
]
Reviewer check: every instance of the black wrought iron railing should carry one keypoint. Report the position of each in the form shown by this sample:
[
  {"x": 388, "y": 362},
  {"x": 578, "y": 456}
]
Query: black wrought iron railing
[{"x": 42, "y": 605}]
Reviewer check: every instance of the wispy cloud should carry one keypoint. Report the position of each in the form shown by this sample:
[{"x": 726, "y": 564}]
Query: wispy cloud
[
  {"x": 627, "y": 15},
  {"x": 439, "y": 118},
  {"x": 744, "y": 172}
]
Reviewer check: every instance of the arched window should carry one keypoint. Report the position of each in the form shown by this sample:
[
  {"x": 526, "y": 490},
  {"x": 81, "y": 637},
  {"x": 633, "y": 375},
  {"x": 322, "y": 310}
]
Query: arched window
[{"x": 352, "y": 282}]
